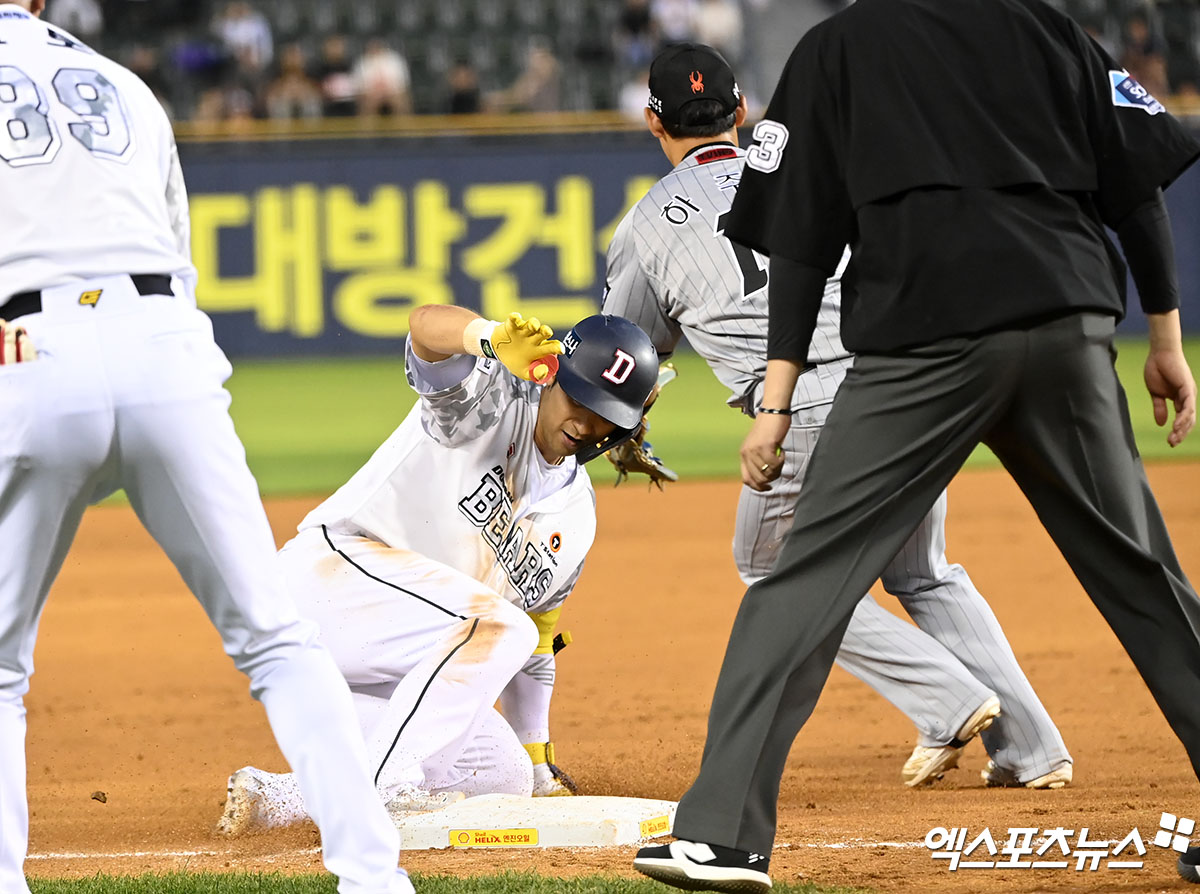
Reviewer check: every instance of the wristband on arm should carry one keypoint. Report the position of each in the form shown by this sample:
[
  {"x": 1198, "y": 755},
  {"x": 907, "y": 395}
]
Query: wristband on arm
[{"x": 477, "y": 338}]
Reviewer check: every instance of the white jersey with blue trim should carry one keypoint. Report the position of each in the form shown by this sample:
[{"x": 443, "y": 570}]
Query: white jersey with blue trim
[
  {"x": 672, "y": 271},
  {"x": 80, "y": 132},
  {"x": 461, "y": 481}
]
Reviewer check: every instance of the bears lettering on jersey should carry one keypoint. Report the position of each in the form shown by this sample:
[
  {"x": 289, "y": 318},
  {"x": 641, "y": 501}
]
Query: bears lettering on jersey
[{"x": 527, "y": 565}]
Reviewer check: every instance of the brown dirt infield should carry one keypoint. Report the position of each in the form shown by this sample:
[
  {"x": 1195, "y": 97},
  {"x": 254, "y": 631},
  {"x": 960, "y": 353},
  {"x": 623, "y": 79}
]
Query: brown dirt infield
[{"x": 134, "y": 698}]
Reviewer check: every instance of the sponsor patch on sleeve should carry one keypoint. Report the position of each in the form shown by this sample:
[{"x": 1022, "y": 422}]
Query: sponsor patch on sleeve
[{"x": 1128, "y": 93}]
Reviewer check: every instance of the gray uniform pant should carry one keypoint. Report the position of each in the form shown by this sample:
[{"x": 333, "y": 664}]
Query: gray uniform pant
[
  {"x": 1048, "y": 403},
  {"x": 939, "y": 672}
]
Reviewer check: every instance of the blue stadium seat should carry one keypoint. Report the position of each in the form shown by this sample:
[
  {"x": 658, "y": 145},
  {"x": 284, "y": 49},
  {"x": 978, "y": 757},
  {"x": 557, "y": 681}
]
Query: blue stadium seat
[
  {"x": 571, "y": 14},
  {"x": 533, "y": 14},
  {"x": 413, "y": 17},
  {"x": 449, "y": 15},
  {"x": 438, "y": 56},
  {"x": 481, "y": 50},
  {"x": 1181, "y": 31},
  {"x": 490, "y": 14},
  {"x": 366, "y": 17},
  {"x": 324, "y": 17},
  {"x": 287, "y": 19}
]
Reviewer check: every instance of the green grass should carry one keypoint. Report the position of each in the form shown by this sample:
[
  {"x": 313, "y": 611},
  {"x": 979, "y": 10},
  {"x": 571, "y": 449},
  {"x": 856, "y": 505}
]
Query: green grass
[
  {"x": 309, "y": 424},
  {"x": 242, "y": 883}
]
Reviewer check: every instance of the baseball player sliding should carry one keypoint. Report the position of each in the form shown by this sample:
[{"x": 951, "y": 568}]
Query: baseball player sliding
[
  {"x": 110, "y": 379},
  {"x": 672, "y": 271},
  {"x": 438, "y": 572}
]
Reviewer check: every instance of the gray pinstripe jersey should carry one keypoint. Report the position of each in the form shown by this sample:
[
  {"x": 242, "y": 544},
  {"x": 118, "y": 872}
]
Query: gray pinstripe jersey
[{"x": 671, "y": 271}]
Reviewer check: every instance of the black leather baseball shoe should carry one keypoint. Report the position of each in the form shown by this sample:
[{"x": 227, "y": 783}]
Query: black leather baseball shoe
[
  {"x": 1188, "y": 865},
  {"x": 695, "y": 866}
]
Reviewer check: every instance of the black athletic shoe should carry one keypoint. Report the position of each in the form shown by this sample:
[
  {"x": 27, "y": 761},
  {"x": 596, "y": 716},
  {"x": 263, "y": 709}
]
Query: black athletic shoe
[
  {"x": 695, "y": 866},
  {"x": 1188, "y": 865}
]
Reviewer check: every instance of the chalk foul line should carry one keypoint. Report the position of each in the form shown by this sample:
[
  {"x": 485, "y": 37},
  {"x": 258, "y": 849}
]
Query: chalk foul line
[{"x": 127, "y": 855}]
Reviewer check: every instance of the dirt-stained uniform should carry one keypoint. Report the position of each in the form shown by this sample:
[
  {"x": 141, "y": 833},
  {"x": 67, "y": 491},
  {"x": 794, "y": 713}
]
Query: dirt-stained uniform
[
  {"x": 438, "y": 571},
  {"x": 421, "y": 570}
]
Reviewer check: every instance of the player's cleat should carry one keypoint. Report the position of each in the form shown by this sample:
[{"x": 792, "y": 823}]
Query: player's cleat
[
  {"x": 253, "y": 803},
  {"x": 1188, "y": 865},
  {"x": 1000, "y": 777},
  {"x": 409, "y": 799},
  {"x": 926, "y": 764},
  {"x": 695, "y": 866},
  {"x": 548, "y": 786},
  {"x": 549, "y": 780}
]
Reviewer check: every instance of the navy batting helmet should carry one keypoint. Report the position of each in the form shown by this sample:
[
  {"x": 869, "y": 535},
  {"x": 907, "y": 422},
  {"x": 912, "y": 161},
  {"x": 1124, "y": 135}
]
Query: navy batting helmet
[{"x": 610, "y": 366}]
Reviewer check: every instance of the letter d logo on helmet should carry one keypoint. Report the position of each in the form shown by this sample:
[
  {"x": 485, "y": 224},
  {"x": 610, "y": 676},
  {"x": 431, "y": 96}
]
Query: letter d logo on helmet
[
  {"x": 610, "y": 366},
  {"x": 622, "y": 366}
]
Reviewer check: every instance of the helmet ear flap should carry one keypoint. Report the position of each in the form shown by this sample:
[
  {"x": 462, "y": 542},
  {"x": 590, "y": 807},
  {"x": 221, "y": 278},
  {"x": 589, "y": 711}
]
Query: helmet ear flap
[{"x": 615, "y": 438}]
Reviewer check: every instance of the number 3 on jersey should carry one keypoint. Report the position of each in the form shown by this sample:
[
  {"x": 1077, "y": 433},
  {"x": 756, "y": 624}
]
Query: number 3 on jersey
[
  {"x": 27, "y": 136},
  {"x": 750, "y": 264},
  {"x": 770, "y": 139}
]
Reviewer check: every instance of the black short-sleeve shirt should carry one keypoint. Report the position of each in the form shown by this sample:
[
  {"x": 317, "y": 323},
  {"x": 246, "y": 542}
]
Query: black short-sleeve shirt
[{"x": 969, "y": 152}]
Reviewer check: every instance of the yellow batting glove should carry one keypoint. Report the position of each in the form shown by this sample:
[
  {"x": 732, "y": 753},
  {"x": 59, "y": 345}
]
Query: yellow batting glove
[
  {"x": 549, "y": 781},
  {"x": 518, "y": 343}
]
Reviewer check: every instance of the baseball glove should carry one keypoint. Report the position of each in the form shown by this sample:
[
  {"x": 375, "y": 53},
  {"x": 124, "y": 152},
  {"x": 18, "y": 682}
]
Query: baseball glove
[{"x": 636, "y": 456}]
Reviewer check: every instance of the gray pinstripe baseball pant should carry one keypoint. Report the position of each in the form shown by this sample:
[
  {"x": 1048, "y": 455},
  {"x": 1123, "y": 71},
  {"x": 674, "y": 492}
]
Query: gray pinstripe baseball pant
[{"x": 938, "y": 672}]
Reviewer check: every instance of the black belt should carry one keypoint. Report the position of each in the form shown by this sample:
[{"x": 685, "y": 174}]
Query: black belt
[{"x": 24, "y": 303}]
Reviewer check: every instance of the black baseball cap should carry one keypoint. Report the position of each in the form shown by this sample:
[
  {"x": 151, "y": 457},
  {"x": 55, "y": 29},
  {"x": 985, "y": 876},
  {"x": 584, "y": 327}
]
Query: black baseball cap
[{"x": 685, "y": 72}]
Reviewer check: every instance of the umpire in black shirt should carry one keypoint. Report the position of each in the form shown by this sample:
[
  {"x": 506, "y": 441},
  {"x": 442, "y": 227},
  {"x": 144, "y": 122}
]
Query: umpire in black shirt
[{"x": 971, "y": 153}]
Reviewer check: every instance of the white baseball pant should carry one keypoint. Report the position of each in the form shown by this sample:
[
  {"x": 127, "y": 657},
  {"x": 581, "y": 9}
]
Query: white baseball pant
[
  {"x": 426, "y": 650},
  {"x": 127, "y": 393}
]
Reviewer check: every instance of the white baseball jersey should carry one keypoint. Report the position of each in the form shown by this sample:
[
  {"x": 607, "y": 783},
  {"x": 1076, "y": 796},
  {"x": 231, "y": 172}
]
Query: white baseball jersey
[
  {"x": 127, "y": 393},
  {"x": 420, "y": 570},
  {"x": 64, "y": 107},
  {"x": 670, "y": 272},
  {"x": 460, "y": 481}
]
